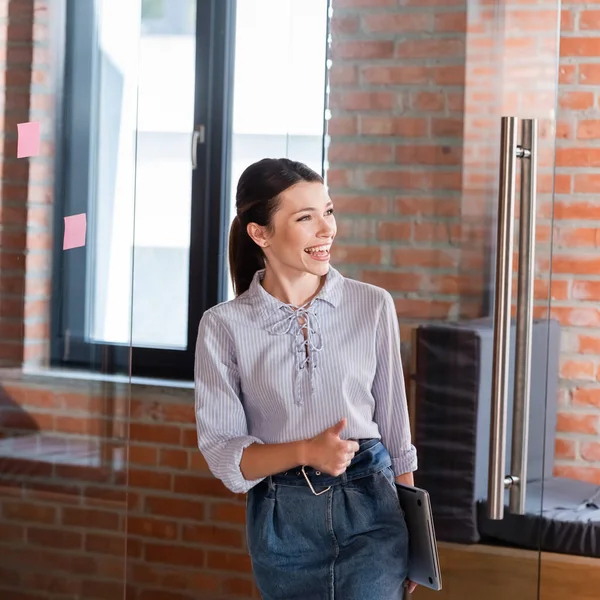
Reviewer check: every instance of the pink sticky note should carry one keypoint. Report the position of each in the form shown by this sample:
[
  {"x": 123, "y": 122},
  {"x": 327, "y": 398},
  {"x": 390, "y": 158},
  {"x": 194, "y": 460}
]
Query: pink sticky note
[
  {"x": 29, "y": 139},
  {"x": 75, "y": 228}
]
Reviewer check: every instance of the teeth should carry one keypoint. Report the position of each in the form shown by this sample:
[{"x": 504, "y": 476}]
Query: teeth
[{"x": 318, "y": 249}]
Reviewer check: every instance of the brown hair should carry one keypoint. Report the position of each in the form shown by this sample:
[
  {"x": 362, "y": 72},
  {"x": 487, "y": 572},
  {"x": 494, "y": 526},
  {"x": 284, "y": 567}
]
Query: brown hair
[{"x": 257, "y": 199}]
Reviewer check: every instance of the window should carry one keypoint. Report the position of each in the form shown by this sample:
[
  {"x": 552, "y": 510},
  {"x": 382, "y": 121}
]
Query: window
[{"x": 142, "y": 81}]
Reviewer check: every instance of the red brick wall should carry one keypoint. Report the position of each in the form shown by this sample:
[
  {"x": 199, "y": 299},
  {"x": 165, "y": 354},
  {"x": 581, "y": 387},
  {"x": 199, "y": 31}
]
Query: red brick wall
[
  {"x": 576, "y": 258},
  {"x": 147, "y": 517},
  {"x": 26, "y": 184},
  {"x": 396, "y": 153}
]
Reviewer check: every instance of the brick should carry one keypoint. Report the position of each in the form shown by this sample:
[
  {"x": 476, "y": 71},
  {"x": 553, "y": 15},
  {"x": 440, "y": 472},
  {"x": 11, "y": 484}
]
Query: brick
[
  {"x": 586, "y": 397},
  {"x": 344, "y": 24},
  {"x": 395, "y": 75},
  {"x": 588, "y": 129},
  {"x": 567, "y": 74},
  {"x": 342, "y": 126},
  {"x": 143, "y": 455},
  {"x": 578, "y": 157},
  {"x": 580, "y": 316},
  {"x": 55, "y": 538},
  {"x": 590, "y": 451},
  {"x": 590, "y": 474},
  {"x": 577, "y": 423},
  {"x": 589, "y": 20},
  {"x": 152, "y": 528},
  {"x": 575, "y": 264},
  {"x": 361, "y": 100},
  {"x": 576, "y": 100},
  {"x": 564, "y": 449},
  {"x": 387, "y": 22},
  {"x": 586, "y": 184},
  {"x": 361, "y": 204},
  {"x": 174, "y": 555},
  {"x": 213, "y": 535},
  {"x": 577, "y": 369},
  {"x": 589, "y": 344},
  {"x": 200, "y": 486},
  {"x": 356, "y": 254},
  {"x": 360, "y": 153},
  {"x": 589, "y": 74},
  {"x": 223, "y": 561},
  {"x": 451, "y": 22},
  {"x": 586, "y": 290},
  {"x": 172, "y": 506},
  {"x": 394, "y": 282},
  {"x": 341, "y": 74},
  {"x": 149, "y": 479},
  {"x": 228, "y": 513},
  {"x": 162, "y": 434},
  {"x": 447, "y": 127},
  {"x": 363, "y": 49},
  {"x": 430, "y": 48},
  {"x": 32, "y": 513},
  {"x": 97, "y": 519},
  {"x": 428, "y": 101},
  {"x": 173, "y": 458},
  {"x": 239, "y": 587},
  {"x": 106, "y": 544},
  {"x": 393, "y": 126},
  {"x": 428, "y": 155}
]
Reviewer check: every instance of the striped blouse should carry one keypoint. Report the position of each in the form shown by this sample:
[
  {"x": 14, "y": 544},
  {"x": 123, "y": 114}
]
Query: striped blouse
[{"x": 258, "y": 380}]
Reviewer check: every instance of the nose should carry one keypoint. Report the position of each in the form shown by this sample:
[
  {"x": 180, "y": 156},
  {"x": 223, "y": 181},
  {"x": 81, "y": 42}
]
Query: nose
[{"x": 326, "y": 230}]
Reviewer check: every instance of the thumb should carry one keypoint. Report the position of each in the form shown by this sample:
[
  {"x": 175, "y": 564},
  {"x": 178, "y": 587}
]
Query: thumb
[{"x": 338, "y": 427}]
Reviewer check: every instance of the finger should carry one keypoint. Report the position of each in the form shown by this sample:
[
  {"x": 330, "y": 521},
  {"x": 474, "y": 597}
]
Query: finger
[
  {"x": 412, "y": 586},
  {"x": 353, "y": 447},
  {"x": 338, "y": 427}
]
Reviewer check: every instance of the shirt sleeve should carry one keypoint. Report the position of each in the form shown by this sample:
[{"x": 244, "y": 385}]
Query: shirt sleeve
[
  {"x": 220, "y": 418},
  {"x": 389, "y": 392}
]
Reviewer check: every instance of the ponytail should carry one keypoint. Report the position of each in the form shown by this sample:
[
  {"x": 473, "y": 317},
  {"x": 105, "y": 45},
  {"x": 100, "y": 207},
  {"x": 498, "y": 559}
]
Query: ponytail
[{"x": 245, "y": 257}]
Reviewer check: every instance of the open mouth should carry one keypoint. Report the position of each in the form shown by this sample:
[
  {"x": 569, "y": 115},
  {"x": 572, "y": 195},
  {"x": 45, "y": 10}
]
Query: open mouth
[{"x": 319, "y": 252}]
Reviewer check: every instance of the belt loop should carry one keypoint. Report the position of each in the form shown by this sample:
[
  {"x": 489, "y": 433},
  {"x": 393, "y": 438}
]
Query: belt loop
[
  {"x": 271, "y": 484},
  {"x": 344, "y": 477}
]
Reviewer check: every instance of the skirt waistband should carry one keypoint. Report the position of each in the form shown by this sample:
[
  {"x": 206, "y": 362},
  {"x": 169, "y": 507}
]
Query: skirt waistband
[{"x": 371, "y": 457}]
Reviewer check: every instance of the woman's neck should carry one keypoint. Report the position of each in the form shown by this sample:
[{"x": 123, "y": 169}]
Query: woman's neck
[{"x": 297, "y": 294}]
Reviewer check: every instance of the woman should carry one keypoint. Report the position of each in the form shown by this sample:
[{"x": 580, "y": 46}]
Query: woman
[{"x": 300, "y": 399}]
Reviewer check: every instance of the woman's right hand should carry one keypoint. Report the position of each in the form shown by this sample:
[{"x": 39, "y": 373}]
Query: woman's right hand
[{"x": 328, "y": 453}]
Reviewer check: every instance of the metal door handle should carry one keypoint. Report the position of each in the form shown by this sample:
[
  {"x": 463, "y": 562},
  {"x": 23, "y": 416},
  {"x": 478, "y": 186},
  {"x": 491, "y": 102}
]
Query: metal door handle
[
  {"x": 497, "y": 480},
  {"x": 522, "y": 383},
  {"x": 506, "y": 199}
]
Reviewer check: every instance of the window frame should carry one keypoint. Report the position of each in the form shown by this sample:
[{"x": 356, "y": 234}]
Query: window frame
[{"x": 210, "y": 202}]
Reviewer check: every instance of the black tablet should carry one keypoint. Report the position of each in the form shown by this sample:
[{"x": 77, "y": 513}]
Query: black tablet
[{"x": 423, "y": 560}]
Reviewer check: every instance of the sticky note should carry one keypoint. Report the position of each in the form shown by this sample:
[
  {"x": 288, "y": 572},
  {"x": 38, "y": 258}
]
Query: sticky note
[
  {"x": 28, "y": 139},
  {"x": 75, "y": 228}
]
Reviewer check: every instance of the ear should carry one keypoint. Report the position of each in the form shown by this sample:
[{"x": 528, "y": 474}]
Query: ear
[{"x": 257, "y": 233}]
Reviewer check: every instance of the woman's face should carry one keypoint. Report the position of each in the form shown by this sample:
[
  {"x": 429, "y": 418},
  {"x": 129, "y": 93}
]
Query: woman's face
[{"x": 303, "y": 221}]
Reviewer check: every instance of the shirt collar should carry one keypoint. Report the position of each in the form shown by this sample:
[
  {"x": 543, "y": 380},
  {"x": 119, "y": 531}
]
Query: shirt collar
[{"x": 266, "y": 305}]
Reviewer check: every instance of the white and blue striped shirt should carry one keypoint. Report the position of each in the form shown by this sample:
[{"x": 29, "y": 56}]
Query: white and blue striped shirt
[{"x": 255, "y": 383}]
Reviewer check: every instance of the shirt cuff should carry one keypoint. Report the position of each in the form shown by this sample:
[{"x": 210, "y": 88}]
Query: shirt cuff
[
  {"x": 229, "y": 467},
  {"x": 406, "y": 463}
]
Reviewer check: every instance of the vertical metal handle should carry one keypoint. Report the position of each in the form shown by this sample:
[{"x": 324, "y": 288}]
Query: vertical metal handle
[
  {"x": 506, "y": 199},
  {"x": 521, "y": 398}
]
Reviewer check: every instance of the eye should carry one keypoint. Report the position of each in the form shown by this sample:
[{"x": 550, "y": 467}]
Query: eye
[{"x": 330, "y": 211}]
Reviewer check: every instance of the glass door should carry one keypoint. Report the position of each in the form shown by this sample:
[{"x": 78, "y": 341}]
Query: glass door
[
  {"x": 486, "y": 384},
  {"x": 441, "y": 169}
]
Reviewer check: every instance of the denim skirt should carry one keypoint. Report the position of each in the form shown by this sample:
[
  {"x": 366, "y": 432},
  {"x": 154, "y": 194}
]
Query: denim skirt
[{"x": 345, "y": 539}]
